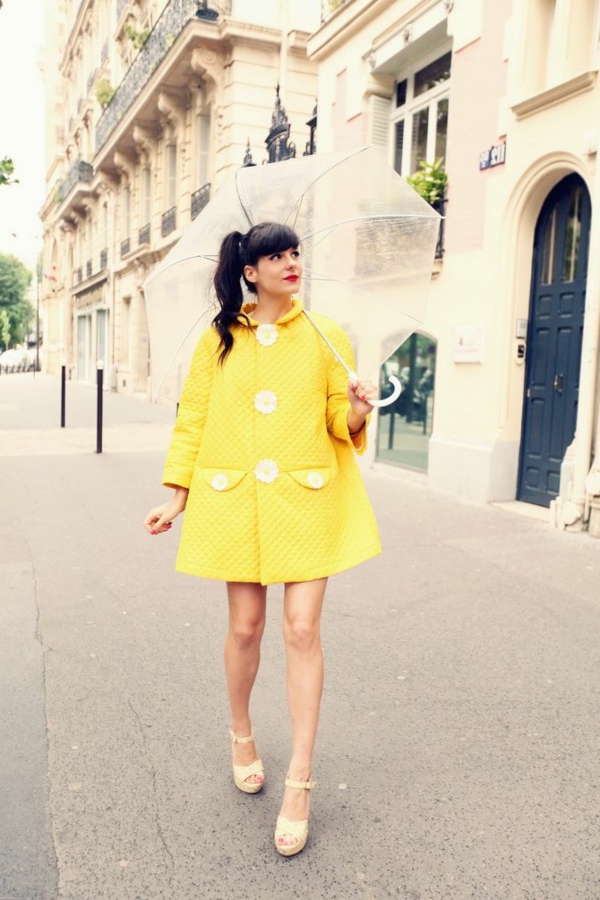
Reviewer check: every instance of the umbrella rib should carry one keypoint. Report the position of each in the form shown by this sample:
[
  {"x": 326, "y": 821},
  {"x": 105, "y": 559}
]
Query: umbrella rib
[
  {"x": 298, "y": 203},
  {"x": 242, "y": 204}
]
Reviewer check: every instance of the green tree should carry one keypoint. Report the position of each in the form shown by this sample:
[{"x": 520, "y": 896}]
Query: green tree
[
  {"x": 4, "y": 329},
  {"x": 15, "y": 279},
  {"x": 7, "y": 167}
]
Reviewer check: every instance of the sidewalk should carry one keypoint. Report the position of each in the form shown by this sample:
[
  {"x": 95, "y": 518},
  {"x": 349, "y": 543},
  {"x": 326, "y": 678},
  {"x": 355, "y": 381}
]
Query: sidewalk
[{"x": 458, "y": 748}]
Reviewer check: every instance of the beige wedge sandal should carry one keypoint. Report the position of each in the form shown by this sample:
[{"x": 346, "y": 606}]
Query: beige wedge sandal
[
  {"x": 298, "y": 829},
  {"x": 241, "y": 773}
]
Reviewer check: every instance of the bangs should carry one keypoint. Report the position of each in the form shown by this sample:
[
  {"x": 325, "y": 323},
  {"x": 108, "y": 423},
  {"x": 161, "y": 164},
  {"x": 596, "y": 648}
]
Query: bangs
[{"x": 270, "y": 237}]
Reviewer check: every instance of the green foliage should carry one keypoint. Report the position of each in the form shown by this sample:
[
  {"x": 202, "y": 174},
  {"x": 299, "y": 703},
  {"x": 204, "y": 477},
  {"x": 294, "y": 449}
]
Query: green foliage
[
  {"x": 4, "y": 330},
  {"x": 137, "y": 38},
  {"x": 104, "y": 92},
  {"x": 430, "y": 180},
  {"x": 15, "y": 278},
  {"x": 7, "y": 167}
]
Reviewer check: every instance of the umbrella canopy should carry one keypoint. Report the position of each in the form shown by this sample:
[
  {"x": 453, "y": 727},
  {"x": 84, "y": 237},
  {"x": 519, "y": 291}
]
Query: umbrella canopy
[{"x": 368, "y": 244}]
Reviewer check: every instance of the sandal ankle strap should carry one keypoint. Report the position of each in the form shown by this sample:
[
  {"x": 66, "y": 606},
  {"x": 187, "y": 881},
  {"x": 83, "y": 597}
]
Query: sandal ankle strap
[
  {"x": 240, "y": 740},
  {"x": 306, "y": 785}
]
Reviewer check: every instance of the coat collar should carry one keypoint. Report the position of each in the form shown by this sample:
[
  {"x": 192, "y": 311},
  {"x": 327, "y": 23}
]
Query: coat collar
[{"x": 248, "y": 308}]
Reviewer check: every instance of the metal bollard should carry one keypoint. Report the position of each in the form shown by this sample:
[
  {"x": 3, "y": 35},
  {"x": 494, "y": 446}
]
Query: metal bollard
[
  {"x": 99, "y": 386},
  {"x": 63, "y": 393}
]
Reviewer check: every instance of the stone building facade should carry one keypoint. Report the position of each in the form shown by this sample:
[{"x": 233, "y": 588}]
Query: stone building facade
[
  {"x": 502, "y": 398},
  {"x": 153, "y": 104}
]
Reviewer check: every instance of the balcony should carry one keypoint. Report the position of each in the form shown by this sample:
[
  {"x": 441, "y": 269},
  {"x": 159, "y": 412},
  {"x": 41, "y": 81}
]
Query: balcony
[
  {"x": 80, "y": 173},
  {"x": 88, "y": 269},
  {"x": 328, "y": 7},
  {"x": 199, "y": 200},
  {"x": 144, "y": 235},
  {"x": 169, "y": 221},
  {"x": 169, "y": 25},
  {"x": 440, "y": 207}
]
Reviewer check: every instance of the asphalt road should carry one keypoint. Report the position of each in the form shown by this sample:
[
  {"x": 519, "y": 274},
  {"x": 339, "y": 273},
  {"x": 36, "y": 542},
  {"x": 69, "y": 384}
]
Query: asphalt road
[{"x": 458, "y": 752}]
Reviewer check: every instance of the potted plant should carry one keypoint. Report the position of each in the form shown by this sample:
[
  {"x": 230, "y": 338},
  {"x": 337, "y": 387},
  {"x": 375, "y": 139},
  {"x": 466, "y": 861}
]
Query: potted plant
[
  {"x": 104, "y": 92},
  {"x": 430, "y": 181}
]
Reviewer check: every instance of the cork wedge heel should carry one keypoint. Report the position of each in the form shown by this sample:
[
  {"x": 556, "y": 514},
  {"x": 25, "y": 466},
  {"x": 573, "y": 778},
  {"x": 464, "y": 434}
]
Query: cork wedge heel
[
  {"x": 242, "y": 773},
  {"x": 298, "y": 829}
]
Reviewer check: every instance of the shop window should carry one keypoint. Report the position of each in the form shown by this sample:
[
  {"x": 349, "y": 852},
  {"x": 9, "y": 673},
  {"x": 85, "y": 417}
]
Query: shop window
[{"x": 405, "y": 427}]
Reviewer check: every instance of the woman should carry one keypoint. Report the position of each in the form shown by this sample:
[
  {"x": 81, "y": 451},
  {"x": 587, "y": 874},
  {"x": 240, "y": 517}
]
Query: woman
[{"x": 262, "y": 461}]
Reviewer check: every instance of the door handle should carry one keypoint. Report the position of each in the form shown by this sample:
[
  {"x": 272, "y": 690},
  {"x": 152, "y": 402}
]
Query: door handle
[{"x": 557, "y": 384}]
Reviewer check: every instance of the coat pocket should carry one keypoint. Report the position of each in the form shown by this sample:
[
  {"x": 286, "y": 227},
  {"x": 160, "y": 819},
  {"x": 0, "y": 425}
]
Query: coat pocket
[
  {"x": 314, "y": 479},
  {"x": 221, "y": 479}
]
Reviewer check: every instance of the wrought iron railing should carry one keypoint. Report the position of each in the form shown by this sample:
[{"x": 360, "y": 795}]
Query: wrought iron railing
[
  {"x": 88, "y": 269},
  {"x": 80, "y": 171},
  {"x": 144, "y": 235},
  {"x": 79, "y": 275},
  {"x": 103, "y": 259},
  {"x": 199, "y": 199},
  {"x": 440, "y": 207},
  {"x": 328, "y": 7},
  {"x": 169, "y": 221},
  {"x": 125, "y": 247},
  {"x": 169, "y": 25}
]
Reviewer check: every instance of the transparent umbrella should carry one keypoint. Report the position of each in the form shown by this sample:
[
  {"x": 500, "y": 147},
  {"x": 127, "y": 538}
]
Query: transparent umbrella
[{"x": 368, "y": 244}]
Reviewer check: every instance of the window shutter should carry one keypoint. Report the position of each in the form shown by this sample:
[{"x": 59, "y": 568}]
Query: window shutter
[{"x": 379, "y": 122}]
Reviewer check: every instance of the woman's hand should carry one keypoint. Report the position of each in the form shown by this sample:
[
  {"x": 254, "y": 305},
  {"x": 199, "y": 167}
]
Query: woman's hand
[
  {"x": 160, "y": 518},
  {"x": 359, "y": 394}
]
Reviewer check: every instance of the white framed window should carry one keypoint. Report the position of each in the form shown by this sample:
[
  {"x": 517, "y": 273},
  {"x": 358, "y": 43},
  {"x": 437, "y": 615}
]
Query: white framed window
[
  {"x": 203, "y": 154},
  {"x": 171, "y": 174},
  {"x": 146, "y": 194},
  {"x": 126, "y": 211},
  {"x": 420, "y": 112}
]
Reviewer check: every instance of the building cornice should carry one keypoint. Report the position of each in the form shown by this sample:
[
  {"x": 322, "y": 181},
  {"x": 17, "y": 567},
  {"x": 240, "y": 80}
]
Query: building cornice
[
  {"x": 585, "y": 81},
  {"x": 344, "y": 22}
]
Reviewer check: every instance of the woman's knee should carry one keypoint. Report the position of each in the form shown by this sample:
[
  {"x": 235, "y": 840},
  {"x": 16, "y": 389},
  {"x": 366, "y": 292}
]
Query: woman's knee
[
  {"x": 301, "y": 634},
  {"x": 246, "y": 633}
]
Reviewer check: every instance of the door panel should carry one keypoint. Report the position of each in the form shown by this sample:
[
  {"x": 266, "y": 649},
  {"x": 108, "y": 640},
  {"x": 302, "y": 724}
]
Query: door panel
[{"x": 554, "y": 339}]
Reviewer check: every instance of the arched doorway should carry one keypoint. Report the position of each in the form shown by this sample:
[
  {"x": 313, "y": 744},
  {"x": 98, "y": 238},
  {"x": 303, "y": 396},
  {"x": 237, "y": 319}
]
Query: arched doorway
[
  {"x": 405, "y": 426},
  {"x": 554, "y": 338}
]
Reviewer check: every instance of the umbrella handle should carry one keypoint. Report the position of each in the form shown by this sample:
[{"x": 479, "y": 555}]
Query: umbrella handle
[{"x": 388, "y": 400}]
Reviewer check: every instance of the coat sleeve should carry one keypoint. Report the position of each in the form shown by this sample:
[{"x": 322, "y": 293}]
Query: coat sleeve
[
  {"x": 193, "y": 408},
  {"x": 338, "y": 404}
]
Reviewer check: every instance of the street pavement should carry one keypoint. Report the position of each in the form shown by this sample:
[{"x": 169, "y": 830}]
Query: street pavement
[{"x": 458, "y": 750}]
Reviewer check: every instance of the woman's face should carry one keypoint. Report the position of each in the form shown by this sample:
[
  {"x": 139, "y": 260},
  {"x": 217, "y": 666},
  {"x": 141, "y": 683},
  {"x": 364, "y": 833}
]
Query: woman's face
[{"x": 278, "y": 274}]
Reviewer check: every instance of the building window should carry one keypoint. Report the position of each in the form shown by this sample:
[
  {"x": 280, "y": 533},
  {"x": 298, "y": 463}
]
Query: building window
[
  {"x": 147, "y": 194},
  {"x": 126, "y": 210},
  {"x": 420, "y": 116},
  {"x": 171, "y": 175},
  {"x": 203, "y": 149}
]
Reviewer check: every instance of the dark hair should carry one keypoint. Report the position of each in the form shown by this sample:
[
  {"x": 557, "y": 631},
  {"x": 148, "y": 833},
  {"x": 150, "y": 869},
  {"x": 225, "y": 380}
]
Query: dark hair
[{"x": 239, "y": 250}]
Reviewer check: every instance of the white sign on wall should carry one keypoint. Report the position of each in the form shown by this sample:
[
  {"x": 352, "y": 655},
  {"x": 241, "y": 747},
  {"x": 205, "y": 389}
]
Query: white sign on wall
[{"x": 468, "y": 344}]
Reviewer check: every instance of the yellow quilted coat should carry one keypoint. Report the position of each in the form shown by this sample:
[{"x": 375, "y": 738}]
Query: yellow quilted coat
[{"x": 262, "y": 443}]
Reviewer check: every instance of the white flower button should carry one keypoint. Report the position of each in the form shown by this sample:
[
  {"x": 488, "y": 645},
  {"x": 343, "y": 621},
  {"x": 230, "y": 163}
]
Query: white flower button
[
  {"x": 220, "y": 482},
  {"x": 266, "y": 471},
  {"x": 265, "y": 402},
  {"x": 314, "y": 480},
  {"x": 266, "y": 335}
]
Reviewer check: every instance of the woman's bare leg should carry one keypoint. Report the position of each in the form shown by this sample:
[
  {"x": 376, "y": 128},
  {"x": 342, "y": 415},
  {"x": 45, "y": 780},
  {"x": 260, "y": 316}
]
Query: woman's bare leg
[
  {"x": 302, "y": 634},
  {"x": 247, "y": 613}
]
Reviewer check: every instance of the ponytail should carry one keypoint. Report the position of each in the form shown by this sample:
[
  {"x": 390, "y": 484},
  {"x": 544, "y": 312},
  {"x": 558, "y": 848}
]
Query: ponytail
[{"x": 228, "y": 287}]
